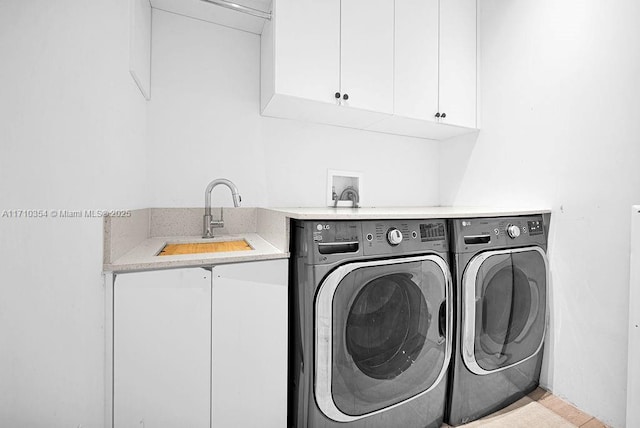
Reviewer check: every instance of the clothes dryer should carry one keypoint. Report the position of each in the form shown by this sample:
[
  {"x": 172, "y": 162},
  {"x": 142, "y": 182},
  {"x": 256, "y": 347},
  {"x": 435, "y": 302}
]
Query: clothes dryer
[
  {"x": 501, "y": 284},
  {"x": 371, "y": 324}
]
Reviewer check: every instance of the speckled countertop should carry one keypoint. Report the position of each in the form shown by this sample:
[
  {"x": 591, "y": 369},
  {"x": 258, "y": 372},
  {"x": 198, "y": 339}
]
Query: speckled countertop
[
  {"x": 133, "y": 243},
  {"x": 145, "y": 255}
]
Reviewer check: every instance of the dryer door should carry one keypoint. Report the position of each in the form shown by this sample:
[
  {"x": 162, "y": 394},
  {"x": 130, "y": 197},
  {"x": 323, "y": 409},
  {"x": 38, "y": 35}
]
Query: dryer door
[
  {"x": 383, "y": 334},
  {"x": 503, "y": 308}
]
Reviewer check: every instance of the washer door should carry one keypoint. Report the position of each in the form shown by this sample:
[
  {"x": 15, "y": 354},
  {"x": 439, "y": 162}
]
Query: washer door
[
  {"x": 504, "y": 308},
  {"x": 383, "y": 334}
]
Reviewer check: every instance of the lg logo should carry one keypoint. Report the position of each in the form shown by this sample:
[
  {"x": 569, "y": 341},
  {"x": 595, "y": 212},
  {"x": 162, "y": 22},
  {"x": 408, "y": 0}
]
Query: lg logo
[{"x": 322, "y": 227}]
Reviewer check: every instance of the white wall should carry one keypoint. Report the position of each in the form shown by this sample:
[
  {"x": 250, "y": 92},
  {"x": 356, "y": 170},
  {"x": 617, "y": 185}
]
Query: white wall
[
  {"x": 205, "y": 123},
  {"x": 72, "y": 132},
  {"x": 633, "y": 362},
  {"x": 560, "y": 106}
]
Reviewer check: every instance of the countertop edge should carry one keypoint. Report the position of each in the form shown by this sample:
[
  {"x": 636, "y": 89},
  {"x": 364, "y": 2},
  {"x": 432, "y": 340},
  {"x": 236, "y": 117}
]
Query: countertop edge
[
  {"x": 365, "y": 213},
  {"x": 177, "y": 264},
  {"x": 144, "y": 257}
]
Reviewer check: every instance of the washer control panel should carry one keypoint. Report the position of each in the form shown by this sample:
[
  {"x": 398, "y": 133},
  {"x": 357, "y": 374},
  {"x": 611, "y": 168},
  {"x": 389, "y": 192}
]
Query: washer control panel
[
  {"x": 402, "y": 236},
  {"x": 337, "y": 240}
]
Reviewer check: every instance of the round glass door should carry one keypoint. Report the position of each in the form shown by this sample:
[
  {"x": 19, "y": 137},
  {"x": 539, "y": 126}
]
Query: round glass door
[
  {"x": 387, "y": 325},
  {"x": 504, "y": 308},
  {"x": 387, "y": 335}
]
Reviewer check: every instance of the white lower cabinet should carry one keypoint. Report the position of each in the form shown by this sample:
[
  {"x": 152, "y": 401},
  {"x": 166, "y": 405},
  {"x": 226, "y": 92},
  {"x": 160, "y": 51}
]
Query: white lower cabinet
[
  {"x": 162, "y": 349},
  {"x": 194, "y": 351},
  {"x": 250, "y": 345}
]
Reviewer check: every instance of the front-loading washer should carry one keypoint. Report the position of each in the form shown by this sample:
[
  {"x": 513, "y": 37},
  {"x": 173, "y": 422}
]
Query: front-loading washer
[
  {"x": 371, "y": 324},
  {"x": 501, "y": 283}
]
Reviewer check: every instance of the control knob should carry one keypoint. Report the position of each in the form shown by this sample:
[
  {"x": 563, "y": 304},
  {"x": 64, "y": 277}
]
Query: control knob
[
  {"x": 513, "y": 231},
  {"x": 394, "y": 236}
]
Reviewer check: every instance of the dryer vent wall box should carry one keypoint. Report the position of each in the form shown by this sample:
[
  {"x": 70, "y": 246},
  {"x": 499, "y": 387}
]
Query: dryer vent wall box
[{"x": 342, "y": 186}]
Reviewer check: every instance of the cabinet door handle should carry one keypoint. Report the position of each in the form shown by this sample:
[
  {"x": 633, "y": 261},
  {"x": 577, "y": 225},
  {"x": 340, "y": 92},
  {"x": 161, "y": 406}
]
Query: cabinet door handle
[
  {"x": 337, "y": 95},
  {"x": 345, "y": 97},
  {"x": 443, "y": 115},
  {"x": 438, "y": 114}
]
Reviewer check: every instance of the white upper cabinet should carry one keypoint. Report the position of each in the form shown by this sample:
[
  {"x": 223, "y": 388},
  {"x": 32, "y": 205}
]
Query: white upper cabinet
[
  {"x": 405, "y": 67},
  {"x": 416, "y": 59},
  {"x": 310, "y": 60},
  {"x": 308, "y": 49},
  {"x": 333, "y": 51},
  {"x": 366, "y": 54},
  {"x": 435, "y": 69},
  {"x": 458, "y": 56}
]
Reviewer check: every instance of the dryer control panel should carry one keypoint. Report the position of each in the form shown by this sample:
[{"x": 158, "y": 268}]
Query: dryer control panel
[{"x": 475, "y": 234}]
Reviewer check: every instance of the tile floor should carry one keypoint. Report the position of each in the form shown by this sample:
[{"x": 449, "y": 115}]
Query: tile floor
[{"x": 540, "y": 409}]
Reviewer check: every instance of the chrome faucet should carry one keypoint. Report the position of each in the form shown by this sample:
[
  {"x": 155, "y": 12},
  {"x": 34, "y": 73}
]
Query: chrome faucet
[
  {"x": 209, "y": 223},
  {"x": 351, "y": 194}
]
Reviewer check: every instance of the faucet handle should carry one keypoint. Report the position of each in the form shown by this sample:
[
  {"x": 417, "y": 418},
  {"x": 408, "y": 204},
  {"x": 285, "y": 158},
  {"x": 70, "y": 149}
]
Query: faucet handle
[{"x": 209, "y": 224}]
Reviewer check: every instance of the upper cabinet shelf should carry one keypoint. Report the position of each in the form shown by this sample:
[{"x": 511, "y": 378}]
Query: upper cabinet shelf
[
  {"x": 405, "y": 67},
  {"x": 219, "y": 15}
]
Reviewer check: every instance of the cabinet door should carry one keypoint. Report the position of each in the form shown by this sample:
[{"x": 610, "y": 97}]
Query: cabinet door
[
  {"x": 458, "y": 62},
  {"x": 307, "y": 48},
  {"x": 416, "y": 59},
  {"x": 366, "y": 54},
  {"x": 249, "y": 381},
  {"x": 162, "y": 339}
]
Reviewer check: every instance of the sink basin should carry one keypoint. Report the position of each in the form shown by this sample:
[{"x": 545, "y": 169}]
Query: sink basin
[{"x": 204, "y": 247}]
